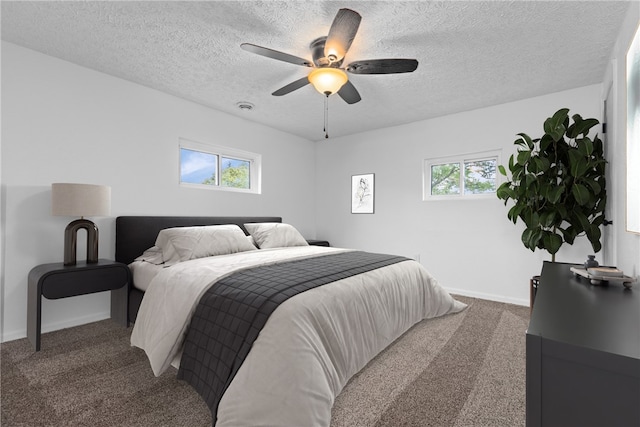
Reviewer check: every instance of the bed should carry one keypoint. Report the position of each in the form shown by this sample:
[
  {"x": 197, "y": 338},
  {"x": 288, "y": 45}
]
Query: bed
[{"x": 297, "y": 353}]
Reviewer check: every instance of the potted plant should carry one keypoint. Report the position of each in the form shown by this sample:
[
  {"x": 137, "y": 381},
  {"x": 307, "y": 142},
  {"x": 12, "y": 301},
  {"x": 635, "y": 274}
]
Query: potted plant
[{"x": 557, "y": 184}]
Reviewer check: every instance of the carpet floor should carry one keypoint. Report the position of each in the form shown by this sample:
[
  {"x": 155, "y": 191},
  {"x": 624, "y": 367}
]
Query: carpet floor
[{"x": 461, "y": 370}]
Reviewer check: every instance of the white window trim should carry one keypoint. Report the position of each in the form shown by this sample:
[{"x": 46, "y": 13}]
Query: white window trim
[
  {"x": 462, "y": 158},
  {"x": 254, "y": 159}
]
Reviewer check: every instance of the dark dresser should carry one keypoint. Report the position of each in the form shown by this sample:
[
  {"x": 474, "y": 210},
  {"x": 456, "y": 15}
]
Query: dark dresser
[{"x": 583, "y": 352}]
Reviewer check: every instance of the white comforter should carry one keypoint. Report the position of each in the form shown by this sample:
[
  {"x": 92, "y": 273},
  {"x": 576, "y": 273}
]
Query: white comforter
[{"x": 312, "y": 343}]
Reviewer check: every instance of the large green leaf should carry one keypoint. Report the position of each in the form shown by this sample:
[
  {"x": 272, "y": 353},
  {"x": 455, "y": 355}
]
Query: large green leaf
[
  {"x": 516, "y": 174},
  {"x": 580, "y": 193},
  {"x": 502, "y": 170},
  {"x": 594, "y": 234},
  {"x": 530, "y": 216},
  {"x": 554, "y": 126},
  {"x": 572, "y": 130},
  {"x": 545, "y": 142},
  {"x": 595, "y": 187},
  {"x": 526, "y": 239},
  {"x": 552, "y": 242},
  {"x": 590, "y": 205},
  {"x": 547, "y": 219},
  {"x": 529, "y": 180},
  {"x": 554, "y": 194},
  {"x": 578, "y": 164},
  {"x": 545, "y": 164},
  {"x": 569, "y": 234},
  {"x": 582, "y": 222},
  {"x": 514, "y": 212},
  {"x": 505, "y": 191},
  {"x": 582, "y": 127},
  {"x": 598, "y": 221},
  {"x": 536, "y": 237},
  {"x": 527, "y": 141},
  {"x": 598, "y": 148},
  {"x": 537, "y": 161},
  {"x": 535, "y": 218},
  {"x": 562, "y": 210},
  {"x": 523, "y": 157},
  {"x": 585, "y": 146}
]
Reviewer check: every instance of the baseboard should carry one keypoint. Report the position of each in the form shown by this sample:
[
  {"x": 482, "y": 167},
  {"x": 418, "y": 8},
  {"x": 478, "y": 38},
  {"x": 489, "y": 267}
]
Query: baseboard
[
  {"x": 490, "y": 297},
  {"x": 69, "y": 323}
]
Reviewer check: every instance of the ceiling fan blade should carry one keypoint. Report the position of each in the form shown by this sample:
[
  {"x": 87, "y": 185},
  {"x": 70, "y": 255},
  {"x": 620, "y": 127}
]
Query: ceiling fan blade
[
  {"x": 383, "y": 66},
  {"x": 274, "y": 54},
  {"x": 291, "y": 87},
  {"x": 349, "y": 93},
  {"x": 341, "y": 34}
]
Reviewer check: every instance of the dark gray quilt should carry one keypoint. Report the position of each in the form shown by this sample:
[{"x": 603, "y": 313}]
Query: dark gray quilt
[{"x": 232, "y": 312}]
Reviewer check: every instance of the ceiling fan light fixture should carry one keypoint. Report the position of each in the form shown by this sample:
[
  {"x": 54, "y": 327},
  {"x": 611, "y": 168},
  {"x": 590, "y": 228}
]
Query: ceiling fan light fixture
[{"x": 328, "y": 81}]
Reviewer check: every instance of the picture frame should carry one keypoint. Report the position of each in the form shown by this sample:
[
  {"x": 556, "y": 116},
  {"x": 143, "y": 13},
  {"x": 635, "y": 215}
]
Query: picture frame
[{"x": 363, "y": 193}]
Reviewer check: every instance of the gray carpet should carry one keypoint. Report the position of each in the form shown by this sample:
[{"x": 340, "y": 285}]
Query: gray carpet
[{"x": 465, "y": 369}]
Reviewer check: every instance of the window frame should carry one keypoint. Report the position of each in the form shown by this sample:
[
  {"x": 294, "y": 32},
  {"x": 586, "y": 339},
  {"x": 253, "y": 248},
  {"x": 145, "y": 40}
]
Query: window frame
[
  {"x": 461, "y": 160},
  {"x": 254, "y": 159}
]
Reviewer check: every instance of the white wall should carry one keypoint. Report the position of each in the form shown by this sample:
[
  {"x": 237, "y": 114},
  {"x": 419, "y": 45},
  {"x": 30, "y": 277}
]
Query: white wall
[
  {"x": 627, "y": 245},
  {"x": 468, "y": 245},
  {"x": 65, "y": 123}
]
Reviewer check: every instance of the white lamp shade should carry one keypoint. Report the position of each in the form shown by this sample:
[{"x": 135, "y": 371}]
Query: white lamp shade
[
  {"x": 80, "y": 200},
  {"x": 327, "y": 80}
]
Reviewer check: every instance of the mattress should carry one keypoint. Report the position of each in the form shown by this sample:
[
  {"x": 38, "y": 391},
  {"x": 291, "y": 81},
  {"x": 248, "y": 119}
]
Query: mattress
[{"x": 309, "y": 347}]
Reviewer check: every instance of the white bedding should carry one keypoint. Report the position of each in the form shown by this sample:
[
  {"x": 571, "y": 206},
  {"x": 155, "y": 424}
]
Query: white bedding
[
  {"x": 312, "y": 343},
  {"x": 143, "y": 272}
]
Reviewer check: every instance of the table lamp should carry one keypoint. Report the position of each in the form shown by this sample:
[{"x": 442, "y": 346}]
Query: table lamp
[{"x": 80, "y": 200}]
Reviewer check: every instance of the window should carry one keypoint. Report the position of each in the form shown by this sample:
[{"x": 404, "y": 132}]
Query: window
[
  {"x": 220, "y": 168},
  {"x": 467, "y": 176}
]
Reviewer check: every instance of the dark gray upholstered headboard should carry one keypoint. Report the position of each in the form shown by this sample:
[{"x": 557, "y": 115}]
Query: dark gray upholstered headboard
[{"x": 135, "y": 234}]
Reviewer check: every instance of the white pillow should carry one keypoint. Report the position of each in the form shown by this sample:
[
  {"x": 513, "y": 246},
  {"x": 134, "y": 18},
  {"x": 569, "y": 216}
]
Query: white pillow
[
  {"x": 185, "y": 243},
  {"x": 275, "y": 235},
  {"x": 152, "y": 255}
]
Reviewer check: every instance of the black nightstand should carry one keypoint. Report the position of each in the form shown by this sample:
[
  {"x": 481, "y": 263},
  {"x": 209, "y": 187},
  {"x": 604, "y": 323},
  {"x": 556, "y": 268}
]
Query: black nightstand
[
  {"x": 318, "y": 243},
  {"x": 54, "y": 281}
]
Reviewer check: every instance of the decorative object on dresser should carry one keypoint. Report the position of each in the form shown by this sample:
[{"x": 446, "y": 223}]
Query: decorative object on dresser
[
  {"x": 583, "y": 353},
  {"x": 603, "y": 275},
  {"x": 557, "y": 184},
  {"x": 591, "y": 262},
  {"x": 80, "y": 200},
  {"x": 56, "y": 280}
]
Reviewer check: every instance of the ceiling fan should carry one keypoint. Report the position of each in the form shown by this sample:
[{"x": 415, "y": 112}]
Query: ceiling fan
[{"x": 328, "y": 52}]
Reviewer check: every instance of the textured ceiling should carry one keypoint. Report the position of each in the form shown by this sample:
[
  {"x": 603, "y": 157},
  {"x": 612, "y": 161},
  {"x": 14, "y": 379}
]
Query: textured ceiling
[{"x": 472, "y": 54}]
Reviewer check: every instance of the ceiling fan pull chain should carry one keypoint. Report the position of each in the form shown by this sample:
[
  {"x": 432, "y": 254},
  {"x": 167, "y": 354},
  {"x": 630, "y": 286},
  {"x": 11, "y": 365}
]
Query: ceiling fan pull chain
[{"x": 326, "y": 116}]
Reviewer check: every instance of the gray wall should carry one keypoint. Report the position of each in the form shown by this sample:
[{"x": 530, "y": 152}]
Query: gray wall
[{"x": 65, "y": 123}]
